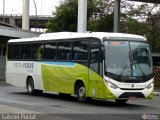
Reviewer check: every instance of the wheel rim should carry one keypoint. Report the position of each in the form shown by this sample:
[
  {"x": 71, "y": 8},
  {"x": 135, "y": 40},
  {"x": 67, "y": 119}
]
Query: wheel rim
[{"x": 82, "y": 92}]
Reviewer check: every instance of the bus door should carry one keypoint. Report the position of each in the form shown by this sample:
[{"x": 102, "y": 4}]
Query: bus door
[
  {"x": 95, "y": 59},
  {"x": 94, "y": 70}
]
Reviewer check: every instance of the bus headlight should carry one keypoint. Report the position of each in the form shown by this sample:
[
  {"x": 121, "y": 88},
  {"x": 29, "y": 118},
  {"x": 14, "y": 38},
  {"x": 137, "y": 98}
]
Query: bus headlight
[
  {"x": 150, "y": 85},
  {"x": 111, "y": 85}
]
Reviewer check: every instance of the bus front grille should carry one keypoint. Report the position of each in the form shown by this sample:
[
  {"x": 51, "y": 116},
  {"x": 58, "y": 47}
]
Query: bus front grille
[{"x": 132, "y": 94}]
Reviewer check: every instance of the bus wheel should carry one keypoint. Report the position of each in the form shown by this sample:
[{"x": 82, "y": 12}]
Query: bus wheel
[
  {"x": 121, "y": 101},
  {"x": 30, "y": 86},
  {"x": 81, "y": 93}
]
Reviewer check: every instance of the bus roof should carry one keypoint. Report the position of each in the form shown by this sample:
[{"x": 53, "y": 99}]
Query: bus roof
[{"x": 65, "y": 35}]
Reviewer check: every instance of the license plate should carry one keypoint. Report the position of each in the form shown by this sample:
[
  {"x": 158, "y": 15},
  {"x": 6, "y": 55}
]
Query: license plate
[{"x": 132, "y": 98}]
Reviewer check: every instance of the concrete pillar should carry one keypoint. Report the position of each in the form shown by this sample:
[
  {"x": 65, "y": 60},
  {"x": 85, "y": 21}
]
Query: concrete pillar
[
  {"x": 116, "y": 16},
  {"x": 25, "y": 15},
  {"x": 82, "y": 16},
  {"x": 3, "y": 11}
]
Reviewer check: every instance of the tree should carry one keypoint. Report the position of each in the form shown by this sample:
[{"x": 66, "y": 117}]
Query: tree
[
  {"x": 105, "y": 24},
  {"x": 143, "y": 20},
  {"x": 131, "y": 18},
  {"x": 153, "y": 33},
  {"x": 101, "y": 19},
  {"x": 135, "y": 18},
  {"x": 65, "y": 16}
]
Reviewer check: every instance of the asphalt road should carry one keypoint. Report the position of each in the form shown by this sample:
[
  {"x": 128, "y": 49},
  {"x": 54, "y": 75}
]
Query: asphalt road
[{"x": 15, "y": 101}]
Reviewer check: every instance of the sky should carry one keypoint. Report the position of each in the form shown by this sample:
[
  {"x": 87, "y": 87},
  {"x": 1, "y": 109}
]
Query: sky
[{"x": 44, "y": 7}]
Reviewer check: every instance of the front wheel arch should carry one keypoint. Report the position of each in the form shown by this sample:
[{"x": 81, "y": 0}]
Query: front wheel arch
[
  {"x": 80, "y": 91},
  {"x": 78, "y": 82},
  {"x": 31, "y": 87}
]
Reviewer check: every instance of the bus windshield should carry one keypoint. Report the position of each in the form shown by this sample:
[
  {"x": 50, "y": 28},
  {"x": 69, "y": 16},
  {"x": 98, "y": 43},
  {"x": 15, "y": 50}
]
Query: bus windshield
[{"x": 128, "y": 58}]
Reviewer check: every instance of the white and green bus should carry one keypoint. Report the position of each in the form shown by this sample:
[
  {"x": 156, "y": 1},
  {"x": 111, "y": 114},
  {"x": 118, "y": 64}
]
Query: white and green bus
[{"x": 97, "y": 65}]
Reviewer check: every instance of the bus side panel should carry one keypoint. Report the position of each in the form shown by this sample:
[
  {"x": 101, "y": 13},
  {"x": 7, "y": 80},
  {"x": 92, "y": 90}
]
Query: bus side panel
[
  {"x": 36, "y": 74},
  {"x": 11, "y": 74},
  {"x": 49, "y": 77},
  {"x": 97, "y": 87},
  {"x": 61, "y": 76},
  {"x": 16, "y": 74},
  {"x": 79, "y": 73},
  {"x": 18, "y": 71}
]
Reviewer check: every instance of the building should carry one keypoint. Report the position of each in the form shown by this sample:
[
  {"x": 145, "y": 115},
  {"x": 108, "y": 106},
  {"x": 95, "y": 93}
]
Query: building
[{"x": 7, "y": 33}]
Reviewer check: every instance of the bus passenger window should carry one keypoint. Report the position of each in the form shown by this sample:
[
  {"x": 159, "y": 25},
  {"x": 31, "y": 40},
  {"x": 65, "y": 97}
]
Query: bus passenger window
[
  {"x": 16, "y": 51},
  {"x": 80, "y": 50},
  {"x": 10, "y": 51},
  {"x": 26, "y": 51},
  {"x": 37, "y": 51},
  {"x": 50, "y": 51},
  {"x": 64, "y": 51}
]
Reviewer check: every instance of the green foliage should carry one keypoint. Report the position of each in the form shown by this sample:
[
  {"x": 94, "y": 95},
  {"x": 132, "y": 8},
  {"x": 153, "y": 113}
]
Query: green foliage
[
  {"x": 106, "y": 24},
  {"x": 65, "y": 16},
  {"x": 135, "y": 19},
  {"x": 142, "y": 20},
  {"x": 92, "y": 25}
]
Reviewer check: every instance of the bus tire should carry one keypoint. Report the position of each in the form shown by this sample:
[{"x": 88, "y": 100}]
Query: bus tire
[
  {"x": 121, "y": 101},
  {"x": 30, "y": 86},
  {"x": 81, "y": 93}
]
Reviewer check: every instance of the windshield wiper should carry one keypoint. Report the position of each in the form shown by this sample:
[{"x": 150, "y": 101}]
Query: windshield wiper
[
  {"x": 144, "y": 75},
  {"x": 124, "y": 68}
]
